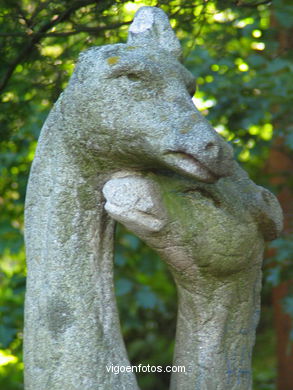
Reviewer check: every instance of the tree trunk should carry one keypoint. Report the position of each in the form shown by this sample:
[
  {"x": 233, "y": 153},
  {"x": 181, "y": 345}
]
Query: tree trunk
[{"x": 280, "y": 167}]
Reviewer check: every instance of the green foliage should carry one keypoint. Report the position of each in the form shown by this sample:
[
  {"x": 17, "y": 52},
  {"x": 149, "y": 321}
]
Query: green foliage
[
  {"x": 279, "y": 266},
  {"x": 244, "y": 79},
  {"x": 12, "y": 285},
  {"x": 146, "y": 296},
  {"x": 264, "y": 358}
]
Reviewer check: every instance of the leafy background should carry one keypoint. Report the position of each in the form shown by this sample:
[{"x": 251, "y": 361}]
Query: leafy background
[{"x": 241, "y": 54}]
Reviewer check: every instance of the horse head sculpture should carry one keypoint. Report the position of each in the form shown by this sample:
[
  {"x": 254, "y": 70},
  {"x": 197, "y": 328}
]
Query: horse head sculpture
[{"x": 126, "y": 125}]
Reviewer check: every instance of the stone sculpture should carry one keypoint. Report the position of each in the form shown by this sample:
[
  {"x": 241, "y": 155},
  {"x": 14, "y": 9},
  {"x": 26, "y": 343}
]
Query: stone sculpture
[{"x": 126, "y": 130}]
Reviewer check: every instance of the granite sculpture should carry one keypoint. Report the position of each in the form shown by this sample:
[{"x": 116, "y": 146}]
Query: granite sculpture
[{"x": 125, "y": 142}]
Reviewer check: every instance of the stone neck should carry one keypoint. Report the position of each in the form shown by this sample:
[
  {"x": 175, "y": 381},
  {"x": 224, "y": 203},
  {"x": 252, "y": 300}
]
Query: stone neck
[
  {"x": 72, "y": 331},
  {"x": 216, "y": 333}
]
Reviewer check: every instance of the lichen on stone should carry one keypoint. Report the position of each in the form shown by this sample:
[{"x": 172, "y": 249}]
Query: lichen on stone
[{"x": 113, "y": 60}]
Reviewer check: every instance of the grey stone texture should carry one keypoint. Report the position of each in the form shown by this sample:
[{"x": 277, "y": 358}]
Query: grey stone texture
[{"x": 125, "y": 142}]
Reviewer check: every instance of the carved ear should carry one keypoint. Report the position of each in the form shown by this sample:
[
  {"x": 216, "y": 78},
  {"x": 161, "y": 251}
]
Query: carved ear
[
  {"x": 270, "y": 216},
  {"x": 151, "y": 27},
  {"x": 266, "y": 211}
]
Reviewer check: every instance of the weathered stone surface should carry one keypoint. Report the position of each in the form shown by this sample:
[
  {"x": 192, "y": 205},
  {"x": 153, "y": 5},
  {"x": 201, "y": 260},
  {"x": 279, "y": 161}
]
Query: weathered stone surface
[
  {"x": 128, "y": 107},
  {"x": 151, "y": 27},
  {"x": 212, "y": 238}
]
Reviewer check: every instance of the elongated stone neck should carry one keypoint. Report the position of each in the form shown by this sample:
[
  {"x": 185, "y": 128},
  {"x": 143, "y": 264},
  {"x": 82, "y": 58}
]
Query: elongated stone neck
[
  {"x": 212, "y": 240},
  {"x": 216, "y": 333},
  {"x": 72, "y": 329}
]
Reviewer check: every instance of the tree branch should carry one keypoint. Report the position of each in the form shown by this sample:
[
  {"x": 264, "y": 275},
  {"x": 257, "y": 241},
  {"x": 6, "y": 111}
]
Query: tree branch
[
  {"x": 239, "y": 3},
  {"x": 78, "y": 30},
  {"x": 36, "y": 37}
]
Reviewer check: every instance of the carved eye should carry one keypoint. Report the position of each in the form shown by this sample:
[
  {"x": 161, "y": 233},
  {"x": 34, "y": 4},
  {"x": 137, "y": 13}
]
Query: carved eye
[{"x": 133, "y": 77}]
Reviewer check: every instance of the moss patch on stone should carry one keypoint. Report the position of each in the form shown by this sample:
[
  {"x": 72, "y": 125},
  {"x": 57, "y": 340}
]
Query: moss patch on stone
[
  {"x": 131, "y": 47},
  {"x": 113, "y": 60}
]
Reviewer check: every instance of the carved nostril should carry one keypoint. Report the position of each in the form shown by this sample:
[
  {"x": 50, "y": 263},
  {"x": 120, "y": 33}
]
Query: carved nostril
[
  {"x": 209, "y": 145},
  {"x": 212, "y": 149}
]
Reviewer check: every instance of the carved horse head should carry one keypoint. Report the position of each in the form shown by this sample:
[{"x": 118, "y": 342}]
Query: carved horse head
[{"x": 133, "y": 102}]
